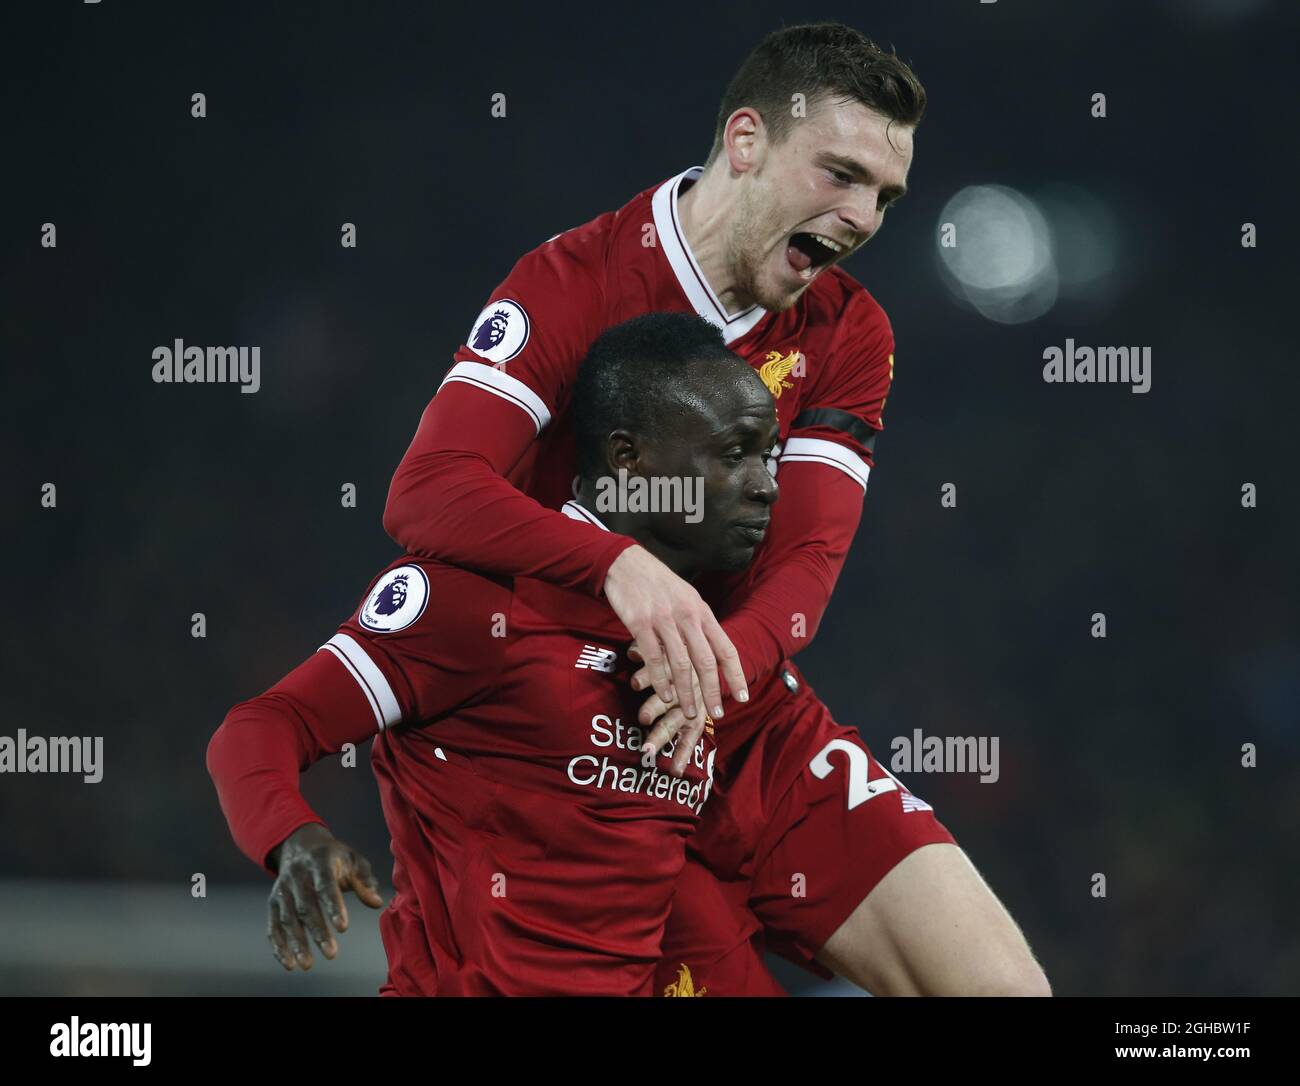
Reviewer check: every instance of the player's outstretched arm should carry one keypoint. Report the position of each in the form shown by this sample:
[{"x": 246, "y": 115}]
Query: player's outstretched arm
[
  {"x": 824, "y": 465},
  {"x": 450, "y": 499},
  {"x": 255, "y": 757},
  {"x": 313, "y": 869}
]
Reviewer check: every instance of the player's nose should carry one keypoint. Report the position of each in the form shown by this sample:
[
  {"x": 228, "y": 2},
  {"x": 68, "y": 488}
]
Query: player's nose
[
  {"x": 861, "y": 216},
  {"x": 761, "y": 486}
]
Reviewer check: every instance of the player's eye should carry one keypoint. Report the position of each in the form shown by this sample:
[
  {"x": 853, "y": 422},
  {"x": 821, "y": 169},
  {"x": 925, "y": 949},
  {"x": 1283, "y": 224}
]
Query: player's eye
[
  {"x": 839, "y": 176},
  {"x": 735, "y": 456}
]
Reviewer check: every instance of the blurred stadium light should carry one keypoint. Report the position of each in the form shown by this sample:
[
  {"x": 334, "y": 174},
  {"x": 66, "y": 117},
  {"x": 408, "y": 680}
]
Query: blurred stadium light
[
  {"x": 1000, "y": 257},
  {"x": 1012, "y": 256},
  {"x": 1085, "y": 240}
]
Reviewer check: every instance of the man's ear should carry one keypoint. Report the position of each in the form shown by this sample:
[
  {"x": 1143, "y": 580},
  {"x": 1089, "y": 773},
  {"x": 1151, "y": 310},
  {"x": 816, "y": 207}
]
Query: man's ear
[
  {"x": 744, "y": 139},
  {"x": 623, "y": 449}
]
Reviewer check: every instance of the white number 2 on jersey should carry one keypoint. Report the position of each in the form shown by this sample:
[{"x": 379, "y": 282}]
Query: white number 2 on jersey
[{"x": 861, "y": 786}]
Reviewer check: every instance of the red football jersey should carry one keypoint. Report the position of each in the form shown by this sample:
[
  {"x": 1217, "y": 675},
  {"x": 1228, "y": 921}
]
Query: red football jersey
[
  {"x": 534, "y": 852},
  {"x": 503, "y": 407}
]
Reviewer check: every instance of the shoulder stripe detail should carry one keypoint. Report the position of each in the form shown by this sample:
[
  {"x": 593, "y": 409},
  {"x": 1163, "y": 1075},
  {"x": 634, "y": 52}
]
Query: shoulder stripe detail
[
  {"x": 833, "y": 417},
  {"x": 500, "y": 383},
  {"x": 817, "y": 450},
  {"x": 383, "y": 703},
  {"x": 365, "y": 690}
]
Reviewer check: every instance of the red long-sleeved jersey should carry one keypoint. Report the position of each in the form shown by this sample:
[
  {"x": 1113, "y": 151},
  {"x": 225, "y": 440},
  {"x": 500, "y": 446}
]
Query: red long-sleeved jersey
[
  {"x": 493, "y": 458},
  {"x": 534, "y": 852}
]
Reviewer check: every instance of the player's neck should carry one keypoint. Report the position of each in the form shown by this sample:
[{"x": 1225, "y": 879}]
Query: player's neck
[{"x": 705, "y": 211}]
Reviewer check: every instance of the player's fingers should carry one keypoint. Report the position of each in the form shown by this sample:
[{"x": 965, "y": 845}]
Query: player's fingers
[
  {"x": 651, "y": 710},
  {"x": 275, "y": 931},
  {"x": 634, "y": 654},
  {"x": 687, "y": 739},
  {"x": 364, "y": 882},
  {"x": 728, "y": 658},
  {"x": 688, "y": 734},
  {"x": 307, "y": 909},
  {"x": 641, "y": 679},
  {"x": 326, "y": 884},
  {"x": 292, "y": 926},
  {"x": 679, "y": 661},
  {"x": 706, "y": 671},
  {"x": 655, "y": 663},
  {"x": 662, "y": 733}
]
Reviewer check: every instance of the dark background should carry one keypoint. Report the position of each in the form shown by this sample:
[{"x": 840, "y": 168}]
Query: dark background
[{"x": 1120, "y": 756}]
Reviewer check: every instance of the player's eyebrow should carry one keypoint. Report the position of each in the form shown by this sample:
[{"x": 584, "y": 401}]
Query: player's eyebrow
[
  {"x": 854, "y": 168},
  {"x": 741, "y": 428}
]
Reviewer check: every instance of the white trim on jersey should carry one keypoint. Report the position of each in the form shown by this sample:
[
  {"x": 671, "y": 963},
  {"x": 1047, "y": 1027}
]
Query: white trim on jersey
[
  {"x": 913, "y": 803},
  {"x": 817, "y": 450},
  {"x": 500, "y": 383},
  {"x": 574, "y": 511},
  {"x": 672, "y": 239},
  {"x": 383, "y": 703}
]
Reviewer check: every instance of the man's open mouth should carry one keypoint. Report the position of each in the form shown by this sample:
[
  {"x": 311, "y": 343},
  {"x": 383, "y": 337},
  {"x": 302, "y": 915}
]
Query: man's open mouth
[{"x": 809, "y": 253}]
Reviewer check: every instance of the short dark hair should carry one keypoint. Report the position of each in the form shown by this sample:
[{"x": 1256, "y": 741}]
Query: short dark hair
[
  {"x": 631, "y": 372},
  {"x": 821, "y": 61}
]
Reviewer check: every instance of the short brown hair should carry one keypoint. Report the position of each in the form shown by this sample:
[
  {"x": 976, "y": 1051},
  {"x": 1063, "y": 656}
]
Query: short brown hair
[{"x": 821, "y": 61}]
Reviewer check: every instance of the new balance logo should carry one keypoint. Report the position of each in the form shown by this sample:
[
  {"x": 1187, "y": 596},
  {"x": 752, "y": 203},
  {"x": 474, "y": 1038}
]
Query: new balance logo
[{"x": 596, "y": 659}]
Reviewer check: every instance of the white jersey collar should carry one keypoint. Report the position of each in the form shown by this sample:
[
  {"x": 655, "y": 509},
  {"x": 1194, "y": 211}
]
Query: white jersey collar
[
  {"x": 578, "y": 512},
  {"x": 672, "y": 238}
]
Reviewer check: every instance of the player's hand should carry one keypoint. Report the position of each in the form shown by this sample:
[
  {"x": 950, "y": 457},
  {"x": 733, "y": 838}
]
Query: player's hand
[
  {"x": 669, "y": 721},
  {"x": 313, "y": 864},
  {"x": 676, "y": 632}
]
